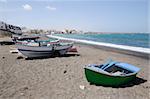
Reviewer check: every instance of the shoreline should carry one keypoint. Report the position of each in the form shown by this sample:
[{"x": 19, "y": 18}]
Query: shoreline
[
  {"x": 137, "y": 51},
  {"x": 116, "y": 33},
  {"x": 126, "y": 52}
]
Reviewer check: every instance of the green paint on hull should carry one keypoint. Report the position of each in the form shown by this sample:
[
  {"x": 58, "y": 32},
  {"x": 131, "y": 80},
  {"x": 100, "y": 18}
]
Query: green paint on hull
[{"x": 107, "y": 80}]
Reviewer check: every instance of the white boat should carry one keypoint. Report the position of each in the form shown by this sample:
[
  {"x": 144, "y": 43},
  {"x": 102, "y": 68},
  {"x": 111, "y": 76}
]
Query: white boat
[
  {"x": 32, "y": 51},
  {"x": 35, "y": 51}
]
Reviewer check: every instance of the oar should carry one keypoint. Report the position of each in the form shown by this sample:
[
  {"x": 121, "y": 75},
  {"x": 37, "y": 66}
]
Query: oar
[
  {"x": 107, "y": 63},
  {"x": 112, "y": 63}
]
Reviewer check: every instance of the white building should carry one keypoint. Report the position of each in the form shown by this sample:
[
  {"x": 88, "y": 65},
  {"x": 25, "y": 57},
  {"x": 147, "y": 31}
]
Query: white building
[
  {"x": 2, "y": 26},
  {"x": 10, "y": 28}
]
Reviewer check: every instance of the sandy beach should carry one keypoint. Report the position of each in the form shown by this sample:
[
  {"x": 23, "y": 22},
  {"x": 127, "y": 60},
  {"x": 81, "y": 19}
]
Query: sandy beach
[{"x": 63, "y": 77}]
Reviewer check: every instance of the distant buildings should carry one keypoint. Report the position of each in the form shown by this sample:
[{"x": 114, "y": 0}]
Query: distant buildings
[
  {"x": 4, "y": 28},
  {"x": 7, "y": 29},
  {"x": 70, "y": 31},
  {"x": 36, "y": 31}
]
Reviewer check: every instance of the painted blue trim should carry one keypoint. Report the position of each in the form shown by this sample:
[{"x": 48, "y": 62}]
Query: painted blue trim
[{"x": 128, "y": 67}]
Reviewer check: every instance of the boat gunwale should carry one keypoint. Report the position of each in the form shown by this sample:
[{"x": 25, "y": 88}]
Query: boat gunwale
[
  {"x": 33, "y": 46},
  {"x": 127, "y": 75},
  {"x": 52, "y": 45}
]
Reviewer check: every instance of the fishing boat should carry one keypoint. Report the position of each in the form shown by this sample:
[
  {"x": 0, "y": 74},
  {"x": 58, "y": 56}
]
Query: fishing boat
[
  {"x": 61, "y": 48},
  {"x": 34, "y": 49},
  {"x": 111, "y": 73},
  {"x": 18, "y": 38},
  {"x": 28, "y": 39}
]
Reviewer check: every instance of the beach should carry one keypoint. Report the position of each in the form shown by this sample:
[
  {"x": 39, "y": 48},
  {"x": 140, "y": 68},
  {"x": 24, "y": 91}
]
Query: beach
[
  {"x": 64, "y": 78},
  {"x": 109, "y": 40}
]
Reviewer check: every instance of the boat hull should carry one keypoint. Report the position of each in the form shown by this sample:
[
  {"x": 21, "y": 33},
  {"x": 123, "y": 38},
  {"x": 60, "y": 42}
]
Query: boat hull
[
  {"x": 107, "y": 80},
  {"x": 33, "y": 52},
  {"x": 63, "y": 49},
  {"x": 43, "y": 51}
]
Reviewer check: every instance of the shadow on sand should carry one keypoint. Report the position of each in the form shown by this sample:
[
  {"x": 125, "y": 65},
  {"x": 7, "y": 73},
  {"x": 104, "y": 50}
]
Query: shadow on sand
[
  {"x": 136, "y": 81},
  {"x": 56, "y": 55}
]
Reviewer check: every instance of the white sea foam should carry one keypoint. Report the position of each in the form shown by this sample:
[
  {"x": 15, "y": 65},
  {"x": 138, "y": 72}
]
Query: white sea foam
[{"x": 121, "y": 47}]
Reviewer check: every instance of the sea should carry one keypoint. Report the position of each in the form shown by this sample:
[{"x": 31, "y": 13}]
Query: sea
[{"x": 129, "y": 39}]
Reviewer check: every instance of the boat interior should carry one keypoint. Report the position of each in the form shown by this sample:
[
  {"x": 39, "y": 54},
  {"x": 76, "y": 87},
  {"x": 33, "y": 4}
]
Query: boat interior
[{"x": 114, "y": 70}]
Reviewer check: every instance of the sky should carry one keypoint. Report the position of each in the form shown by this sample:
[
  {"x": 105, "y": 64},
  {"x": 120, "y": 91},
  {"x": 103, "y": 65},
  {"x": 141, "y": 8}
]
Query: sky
[{"x": 86, "y": 15}]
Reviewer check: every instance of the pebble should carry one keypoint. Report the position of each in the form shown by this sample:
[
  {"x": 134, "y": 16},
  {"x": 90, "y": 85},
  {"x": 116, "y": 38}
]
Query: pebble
[
  {"x": 82, "y": 87},
  {"x": 65, "y": 71},
  {"x": 19, "y": 57},
  {"x": 22, "y": 94}
]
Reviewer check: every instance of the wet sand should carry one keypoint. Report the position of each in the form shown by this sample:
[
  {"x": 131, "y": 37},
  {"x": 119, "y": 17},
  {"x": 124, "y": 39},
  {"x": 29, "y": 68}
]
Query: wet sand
[{"x": 62, "y": 77}]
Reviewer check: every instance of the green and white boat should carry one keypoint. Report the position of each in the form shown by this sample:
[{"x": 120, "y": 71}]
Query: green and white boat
[{"x": 111, "y": 73}]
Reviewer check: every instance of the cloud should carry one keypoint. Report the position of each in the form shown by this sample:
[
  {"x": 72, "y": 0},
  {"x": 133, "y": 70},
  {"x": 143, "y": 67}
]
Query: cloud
[
  {"x": 50, "y": 8},
  {"x": 3, "y": 0},
  {"x": 27, "y": 7}
]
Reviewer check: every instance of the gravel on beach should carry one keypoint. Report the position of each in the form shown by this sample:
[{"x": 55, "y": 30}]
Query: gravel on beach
[{"x": 63, "y": 77}]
